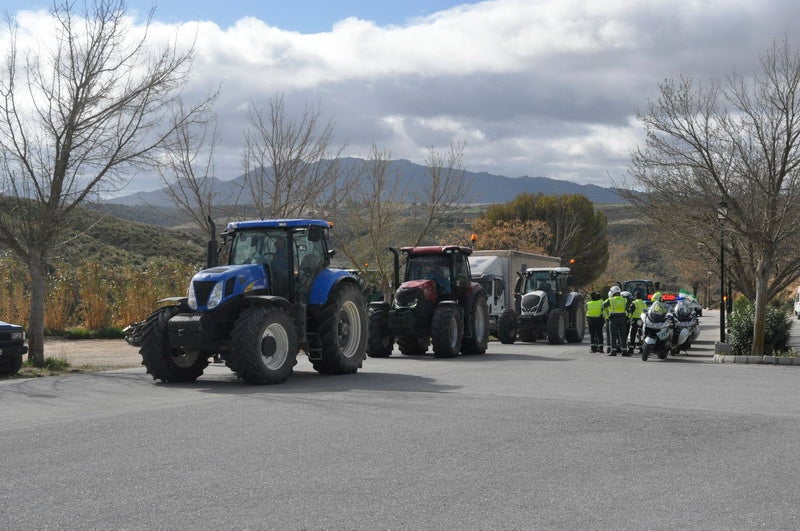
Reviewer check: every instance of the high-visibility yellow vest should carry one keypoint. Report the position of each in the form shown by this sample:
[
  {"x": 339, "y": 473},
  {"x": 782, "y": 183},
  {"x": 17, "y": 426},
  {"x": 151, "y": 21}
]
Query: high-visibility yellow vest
[
  {"x": 616, "y": 305},
  {"x": 594, "y": 308},
  {"x": 638, "y": 308}
]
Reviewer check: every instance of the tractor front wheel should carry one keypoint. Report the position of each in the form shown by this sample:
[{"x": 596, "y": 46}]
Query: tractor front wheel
[
  {"x": 263, "y": 345},
  {"x": 556, "y": 327},
  {"x": 342, "y": 331},
  {"x": 379, "y": 337},
  {"x": 170, "y": 365},
  {"x": 507, "y": 327},
  {"x": 447, "y": 329}
]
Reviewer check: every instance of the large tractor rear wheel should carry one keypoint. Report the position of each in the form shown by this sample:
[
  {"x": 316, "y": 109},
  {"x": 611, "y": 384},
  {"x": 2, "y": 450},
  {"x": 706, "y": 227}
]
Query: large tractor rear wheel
[
  {"x": 263, "y": 345},
  {"x": 411, "y": 345},
  {"x": 170, "y": 365},
  {"x": 507, "y": 327},
  {"x": 556, "y": 327},
  {"x": 342, "y": 331},
  {"x": 447, "y": 329},
  {"x": 577, "y": 321},
  {"x": 379, "y": 337},
  {"x": 480, "y": 328}
]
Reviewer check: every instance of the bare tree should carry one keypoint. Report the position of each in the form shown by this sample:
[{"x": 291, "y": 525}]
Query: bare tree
[
  {"x": 441, "y": 198},
  {"x": 374, "y": 220},
  {"x": 188, "y": 170},
  {"x": 289, "y": 166},
  {"x": 736, "y": 141},
  {"x": 76, "y": 117}
]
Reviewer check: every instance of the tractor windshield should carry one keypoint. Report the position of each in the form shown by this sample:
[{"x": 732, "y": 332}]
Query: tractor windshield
[
  {"x": 434, "y": 267},
  {"x": 261, "y": 246},
  {"x": 543, "y": 281},
  {"x": 540, "y": 281}
]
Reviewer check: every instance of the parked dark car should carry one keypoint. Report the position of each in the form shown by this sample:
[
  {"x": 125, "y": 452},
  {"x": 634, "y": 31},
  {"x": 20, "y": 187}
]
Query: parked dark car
[{"x": 12, "y": 348}]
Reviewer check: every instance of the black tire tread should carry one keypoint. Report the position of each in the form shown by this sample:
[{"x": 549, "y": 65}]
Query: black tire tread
[
  {"x": 155, "y": 351},
  {"x": 245, "y": 356},
  {"x": 472, "y": 346},
  {"x": 379, "y": 340},
  {"x": 441, "y": 333},
  {"x": 507, "y": 326},
  {"x": 333, "y": 361}
]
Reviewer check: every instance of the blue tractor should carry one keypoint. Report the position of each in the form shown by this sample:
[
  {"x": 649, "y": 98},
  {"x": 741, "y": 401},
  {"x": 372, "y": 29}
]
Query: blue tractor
[{"x": 274, "y": 296}]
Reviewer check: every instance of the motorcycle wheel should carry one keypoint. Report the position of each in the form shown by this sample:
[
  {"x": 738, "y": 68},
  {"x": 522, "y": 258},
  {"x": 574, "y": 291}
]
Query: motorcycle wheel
[{"x": 646, "y": 351}]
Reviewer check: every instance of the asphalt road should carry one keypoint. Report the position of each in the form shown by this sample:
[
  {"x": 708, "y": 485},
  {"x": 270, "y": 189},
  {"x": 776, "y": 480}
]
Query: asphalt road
[{"x": 526, "y": 436}]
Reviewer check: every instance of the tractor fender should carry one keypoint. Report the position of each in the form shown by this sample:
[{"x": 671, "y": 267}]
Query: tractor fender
[
  {"x": 571, "y": 298},
  {"x": 180, "y": 302},
  {"x": 469, "y": 298},
  {"x": 325, "y": 282},
  {"x": 268, "y": 300}
]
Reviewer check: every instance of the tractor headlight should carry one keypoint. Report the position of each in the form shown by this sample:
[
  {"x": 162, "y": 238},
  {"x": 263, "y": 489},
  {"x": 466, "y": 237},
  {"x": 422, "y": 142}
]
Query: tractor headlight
[
  {"x": 216, "y": 296},
  {"x": 191, "y": 296},
  {"x": 18, "y": 335}
]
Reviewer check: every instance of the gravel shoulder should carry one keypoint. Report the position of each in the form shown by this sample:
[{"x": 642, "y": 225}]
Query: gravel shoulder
[{"x": 111, "y": 353}]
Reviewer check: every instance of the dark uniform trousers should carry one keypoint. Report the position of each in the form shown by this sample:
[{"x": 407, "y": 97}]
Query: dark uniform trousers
[
  {"x": 619, "y": 330},
  {"x": 596, "y": 332}
]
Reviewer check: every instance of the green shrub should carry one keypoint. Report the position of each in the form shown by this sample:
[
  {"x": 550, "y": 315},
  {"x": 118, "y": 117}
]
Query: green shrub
[
  {"x": 78, "y": 332},
  {"x": 776, "y": 328}
]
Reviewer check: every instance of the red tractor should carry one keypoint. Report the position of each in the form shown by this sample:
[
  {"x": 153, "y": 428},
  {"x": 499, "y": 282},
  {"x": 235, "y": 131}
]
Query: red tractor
[{"x": 437, "y": 304}]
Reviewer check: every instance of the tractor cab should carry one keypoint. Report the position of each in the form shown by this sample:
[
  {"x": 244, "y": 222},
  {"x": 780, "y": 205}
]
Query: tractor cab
[
  {"x": 291, "y": 254},
  {"x": 441, "y": 271},
  {"x": 554, "y": 283}
]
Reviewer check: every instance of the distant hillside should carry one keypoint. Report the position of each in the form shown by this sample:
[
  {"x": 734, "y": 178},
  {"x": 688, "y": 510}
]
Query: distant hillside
[
  {"x": 101, "y": 237},
  {"x": 485, "y": 188}
]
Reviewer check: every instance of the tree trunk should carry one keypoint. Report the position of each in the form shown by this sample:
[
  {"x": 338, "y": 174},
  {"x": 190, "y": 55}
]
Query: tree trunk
[
  {"x": 762, "y": 284},
  {"x": 36, "y": 320}
]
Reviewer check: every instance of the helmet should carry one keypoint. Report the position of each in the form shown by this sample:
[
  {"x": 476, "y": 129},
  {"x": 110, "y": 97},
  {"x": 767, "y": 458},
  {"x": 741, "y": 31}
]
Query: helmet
[
  {"x": 626, "y": 294},
  {"x": 613, "y": 291},
  {"x": 595, "y": 296},
  {"x": 656, "y": 296}
]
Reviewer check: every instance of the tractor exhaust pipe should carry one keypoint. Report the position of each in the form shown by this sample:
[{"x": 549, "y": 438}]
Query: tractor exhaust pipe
[
  {"x": 396, "y": 254},
  {"x": 211, "y": 258}
]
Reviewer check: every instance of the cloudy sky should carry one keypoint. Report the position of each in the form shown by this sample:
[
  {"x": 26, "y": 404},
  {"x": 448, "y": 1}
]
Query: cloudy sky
[{"x": 535, "y": 87}]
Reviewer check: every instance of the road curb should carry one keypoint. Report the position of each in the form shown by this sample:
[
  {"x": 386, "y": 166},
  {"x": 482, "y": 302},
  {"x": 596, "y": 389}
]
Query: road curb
[{"x": 761, "y": 360}]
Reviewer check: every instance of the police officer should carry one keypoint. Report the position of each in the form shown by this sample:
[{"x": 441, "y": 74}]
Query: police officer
[
  {"x": 618, "y": 320},
  {"x": 595, "y": 318},
  {"x": 635, "y": 309}
]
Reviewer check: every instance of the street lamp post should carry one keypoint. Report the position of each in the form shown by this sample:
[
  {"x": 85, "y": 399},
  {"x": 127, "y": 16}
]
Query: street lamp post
[{"x": 722, "y": 213}]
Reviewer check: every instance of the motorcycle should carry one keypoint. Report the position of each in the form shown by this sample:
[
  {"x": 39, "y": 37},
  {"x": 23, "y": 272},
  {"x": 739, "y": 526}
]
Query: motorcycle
[
  {"x": 686, "y": 329},
  {"x": 658, "y": 324}
]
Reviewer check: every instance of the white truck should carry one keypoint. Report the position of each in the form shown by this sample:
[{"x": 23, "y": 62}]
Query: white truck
[{"x": 496, "y": 270}]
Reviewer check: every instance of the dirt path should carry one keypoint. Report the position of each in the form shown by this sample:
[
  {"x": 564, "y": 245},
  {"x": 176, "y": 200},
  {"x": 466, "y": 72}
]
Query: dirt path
[{"x": 96, "y": 352}]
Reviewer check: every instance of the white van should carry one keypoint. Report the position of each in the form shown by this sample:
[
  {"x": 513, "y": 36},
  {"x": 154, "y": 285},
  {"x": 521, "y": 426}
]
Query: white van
[{"x": 797, "y": 302}]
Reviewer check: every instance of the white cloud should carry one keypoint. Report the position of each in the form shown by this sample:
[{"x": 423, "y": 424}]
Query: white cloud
[{"x": 536, "y": 87}]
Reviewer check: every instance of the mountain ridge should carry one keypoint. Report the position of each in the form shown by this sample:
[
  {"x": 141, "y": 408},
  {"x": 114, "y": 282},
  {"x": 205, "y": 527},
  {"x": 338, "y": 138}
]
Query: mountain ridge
[{"x": 486, "y": 188}]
